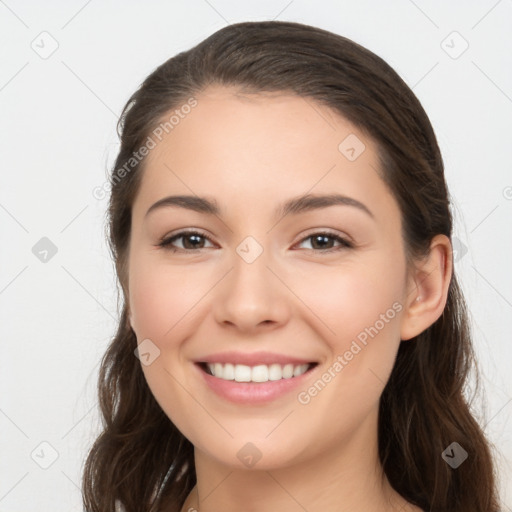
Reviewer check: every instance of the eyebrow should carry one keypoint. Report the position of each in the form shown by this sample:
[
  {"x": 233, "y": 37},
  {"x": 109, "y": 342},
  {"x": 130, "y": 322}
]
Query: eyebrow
[{"x": 292, "y": 206}]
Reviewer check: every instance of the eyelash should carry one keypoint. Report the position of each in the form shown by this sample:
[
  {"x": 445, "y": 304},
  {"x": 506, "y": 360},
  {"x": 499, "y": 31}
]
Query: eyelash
[{"x": 166, "y": 242}]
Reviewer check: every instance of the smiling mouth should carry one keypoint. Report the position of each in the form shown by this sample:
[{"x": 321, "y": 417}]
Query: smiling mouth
[{"x": 255, "y": 374}]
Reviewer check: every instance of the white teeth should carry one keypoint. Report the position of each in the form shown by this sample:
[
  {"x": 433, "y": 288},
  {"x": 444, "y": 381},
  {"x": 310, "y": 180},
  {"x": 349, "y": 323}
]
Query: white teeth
[
  {"x": 228, "y": 371},
  {"x": 260, "y": 373},
  {"x": 242, "y": 373}
]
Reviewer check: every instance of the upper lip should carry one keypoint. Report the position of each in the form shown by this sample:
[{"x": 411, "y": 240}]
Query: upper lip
[{"x": 252, "y": 358}]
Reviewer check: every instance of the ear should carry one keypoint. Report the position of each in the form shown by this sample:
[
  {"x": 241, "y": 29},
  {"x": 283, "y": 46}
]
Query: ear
[{"x": 428, "y": 288}]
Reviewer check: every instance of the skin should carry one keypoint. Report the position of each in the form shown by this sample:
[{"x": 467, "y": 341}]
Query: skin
[{"x": 251, "y": 153}]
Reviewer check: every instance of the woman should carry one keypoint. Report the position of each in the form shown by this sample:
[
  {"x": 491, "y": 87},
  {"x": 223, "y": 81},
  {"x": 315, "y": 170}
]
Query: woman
[{"x": 293, "y": 336}]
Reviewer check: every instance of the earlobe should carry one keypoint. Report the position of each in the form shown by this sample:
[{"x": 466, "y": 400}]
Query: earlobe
[{"x": 427, "y": 297}]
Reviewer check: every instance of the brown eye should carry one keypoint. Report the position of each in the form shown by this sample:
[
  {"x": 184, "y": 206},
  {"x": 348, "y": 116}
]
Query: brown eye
[
  {"x": 191, "y": 240},
  {"x": 324, "y": 242}
]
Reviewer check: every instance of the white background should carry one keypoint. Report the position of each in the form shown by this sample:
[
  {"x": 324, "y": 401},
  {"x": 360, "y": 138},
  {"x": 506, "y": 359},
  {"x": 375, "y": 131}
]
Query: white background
[{"x": 58, "y": 140}]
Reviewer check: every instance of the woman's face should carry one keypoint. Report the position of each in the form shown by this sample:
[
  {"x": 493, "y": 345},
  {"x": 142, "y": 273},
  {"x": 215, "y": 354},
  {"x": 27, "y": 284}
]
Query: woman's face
[{"x": 254, "y": 279}]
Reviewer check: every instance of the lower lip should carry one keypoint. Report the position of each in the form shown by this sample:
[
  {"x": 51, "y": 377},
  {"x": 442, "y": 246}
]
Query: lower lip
[{"x": 253, "y": 392}]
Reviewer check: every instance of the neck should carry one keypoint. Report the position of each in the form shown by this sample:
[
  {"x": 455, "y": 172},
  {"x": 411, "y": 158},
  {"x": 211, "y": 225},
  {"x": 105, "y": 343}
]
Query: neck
[{"x": 345, "y": 479}]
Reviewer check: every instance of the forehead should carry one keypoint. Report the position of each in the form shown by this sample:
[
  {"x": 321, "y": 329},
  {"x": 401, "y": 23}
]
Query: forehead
[{"x": 254, "y": 150}]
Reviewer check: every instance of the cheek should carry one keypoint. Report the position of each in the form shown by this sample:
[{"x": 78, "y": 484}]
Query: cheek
[
  {"x": 359, "y": 313},
  {"x": 359, "y": 310},
  {"x": 161, "y": 301},
  {"x": 159, "y": 298},
  {"x": 350, "y": 299}
]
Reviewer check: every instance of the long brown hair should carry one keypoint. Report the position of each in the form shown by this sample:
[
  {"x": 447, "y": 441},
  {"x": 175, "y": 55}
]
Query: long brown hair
[{"x": 141, "y": 460}]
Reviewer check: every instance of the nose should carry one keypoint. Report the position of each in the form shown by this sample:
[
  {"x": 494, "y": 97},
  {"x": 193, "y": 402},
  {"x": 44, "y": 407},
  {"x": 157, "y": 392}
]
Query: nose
[{"x": 252, "y": 296}]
